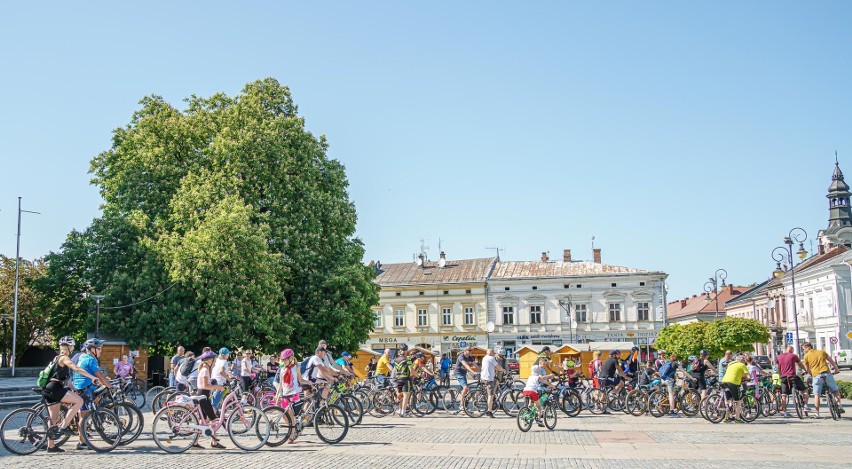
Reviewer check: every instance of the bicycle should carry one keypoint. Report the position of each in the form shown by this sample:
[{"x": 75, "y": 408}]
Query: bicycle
[
  {"x": 178, "y": 424},
  {"x": 687, "y": 401},
  {"x": 831, "y": 399},
  {"x": 326, "y": 418},
  {"x": 529, "y": 413},
  {"x": 798, "y": 399}
]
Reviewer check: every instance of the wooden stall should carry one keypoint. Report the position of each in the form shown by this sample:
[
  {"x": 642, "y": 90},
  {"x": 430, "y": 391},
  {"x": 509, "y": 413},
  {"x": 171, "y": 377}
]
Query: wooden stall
[
  {"x": 571, "y": 352},
  {"x": 527, "y": 355},
  {"x": 360, "y": 359},
  {"x": 605, "y": 348},
  {"x": 112, "y": 351}
]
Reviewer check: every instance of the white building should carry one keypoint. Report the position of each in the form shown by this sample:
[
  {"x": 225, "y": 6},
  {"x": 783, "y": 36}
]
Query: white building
[{"x": 530, "y": 303}]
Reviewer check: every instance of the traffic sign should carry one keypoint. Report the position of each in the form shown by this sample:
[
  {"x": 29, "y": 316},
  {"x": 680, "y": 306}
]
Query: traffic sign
[
  {"x": 789, "y": 337},
  {"x": 462, "y": 344},
  {"x": 833, "y": 340},
  {"x": 849, "y": 334}
]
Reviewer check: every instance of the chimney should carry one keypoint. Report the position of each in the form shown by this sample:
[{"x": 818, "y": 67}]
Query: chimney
[
  {"x": 683, "y": 303},
  {"x": 730, "y": 289},
  {"x": 822, "y": 248},
  {"x": 443, "y": 260},
  {"x": 544, "y": 257},
  {"x": 596, "y": 254},
  {"x": 566, "y": 255}
]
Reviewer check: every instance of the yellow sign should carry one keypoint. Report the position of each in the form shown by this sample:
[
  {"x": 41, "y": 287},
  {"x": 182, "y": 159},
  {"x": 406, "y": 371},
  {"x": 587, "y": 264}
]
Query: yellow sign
[{"x": 849, "y": 334}]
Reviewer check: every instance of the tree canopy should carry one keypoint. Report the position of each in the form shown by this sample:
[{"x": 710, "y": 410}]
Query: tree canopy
[
  {"x": 231, "y": 215},
  {"x": 730, "y": 333},
  {"x": 31, "y": 316}
]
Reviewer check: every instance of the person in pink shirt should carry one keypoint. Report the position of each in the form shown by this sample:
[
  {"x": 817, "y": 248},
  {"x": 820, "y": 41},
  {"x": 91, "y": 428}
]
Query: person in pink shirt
[{"x": 123, "y": 369}]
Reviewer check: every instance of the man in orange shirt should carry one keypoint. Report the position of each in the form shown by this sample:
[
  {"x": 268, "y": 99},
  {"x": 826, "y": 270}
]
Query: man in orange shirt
[{"x": 816, "y": 364}]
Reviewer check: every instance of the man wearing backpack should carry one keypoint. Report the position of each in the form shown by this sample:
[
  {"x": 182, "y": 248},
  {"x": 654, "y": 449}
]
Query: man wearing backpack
[
  {"x": 402, "y": 370},
  {"x": 184, "y": 369},
  {"x": 173, "y": 365}
]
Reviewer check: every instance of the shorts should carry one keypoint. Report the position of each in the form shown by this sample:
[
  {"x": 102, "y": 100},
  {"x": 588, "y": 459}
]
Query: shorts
[
  {"x": 532, "y": 395},
  {"x": 670, "y": 385},
  {"x": 701, "y": 381},
  {"x": 828, "y": 378},
  {"x": 462, "y": 379},
  {"x": 403, "y": 385},
  {"x": 86, "y": 394},
  {"x": 285, "y": 401},
  {"x": 612, "y": 381},
  {"x": 732, "y": 391},
  {"x": 54, "y": 392},
  {"x": 490, "y": 387},
  {"x": 797, "y": 383}
]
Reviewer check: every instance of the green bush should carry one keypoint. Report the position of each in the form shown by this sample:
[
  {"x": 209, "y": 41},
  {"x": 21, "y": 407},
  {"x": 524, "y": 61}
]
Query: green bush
[{"x": 845, "y": 389}]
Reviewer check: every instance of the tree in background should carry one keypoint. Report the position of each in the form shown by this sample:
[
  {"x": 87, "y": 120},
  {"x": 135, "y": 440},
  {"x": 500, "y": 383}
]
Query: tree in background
[
  {"x": 738, "y": 334},
  {"x": 31, "y": 317},
  {"x": 231, "y": 215}
]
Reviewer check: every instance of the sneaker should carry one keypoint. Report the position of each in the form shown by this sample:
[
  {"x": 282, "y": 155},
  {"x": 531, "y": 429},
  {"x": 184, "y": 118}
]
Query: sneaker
[
  {"x": 841, "y": 410},
  {"x": 82, "y": 446},
  {"x": 787, "y": 414},
  {"x": 816, "y": 416},
  {"x": 489, "y": 413},
  {"x": 674, "y": 415},
  {"x": 55, "y": 449},
  {"x": 539, "y": 422}
]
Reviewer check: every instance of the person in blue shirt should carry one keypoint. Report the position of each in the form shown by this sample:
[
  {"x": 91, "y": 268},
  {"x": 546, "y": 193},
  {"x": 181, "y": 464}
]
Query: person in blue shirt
[
  {"x": 345, "y": 362},
  {"x": 89, "y": 362},
  {"x": 446, "y": 363}
]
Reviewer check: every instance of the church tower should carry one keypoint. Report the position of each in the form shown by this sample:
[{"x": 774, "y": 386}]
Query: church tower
[{"x": 839, "y": 229}]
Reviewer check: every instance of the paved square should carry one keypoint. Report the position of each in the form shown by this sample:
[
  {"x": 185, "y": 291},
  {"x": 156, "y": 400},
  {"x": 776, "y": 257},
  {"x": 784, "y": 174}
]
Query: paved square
[{"x": 443, "y": 441}]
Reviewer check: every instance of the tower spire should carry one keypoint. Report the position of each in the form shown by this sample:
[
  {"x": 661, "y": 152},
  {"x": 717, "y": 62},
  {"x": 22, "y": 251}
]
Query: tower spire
[{"x": 840, "y": 213}]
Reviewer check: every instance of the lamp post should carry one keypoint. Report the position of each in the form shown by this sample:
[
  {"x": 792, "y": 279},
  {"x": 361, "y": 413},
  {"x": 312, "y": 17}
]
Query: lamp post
[
  {"x": 782, "y": 254},
  {"x": 712, "y": 285},
  {"x": 15, "y": 307},
  {"x": 98, "y": 299},
  {"x": 5, "y": 363},
  {"x": 566, "y": 303}
]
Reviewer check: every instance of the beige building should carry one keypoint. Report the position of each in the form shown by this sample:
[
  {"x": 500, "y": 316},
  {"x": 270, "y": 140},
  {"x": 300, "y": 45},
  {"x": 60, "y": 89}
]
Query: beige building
[{"x": 439, "y": 306}]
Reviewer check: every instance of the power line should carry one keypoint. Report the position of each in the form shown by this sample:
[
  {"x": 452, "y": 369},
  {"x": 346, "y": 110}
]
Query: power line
[{"x": 141, "y": 301}]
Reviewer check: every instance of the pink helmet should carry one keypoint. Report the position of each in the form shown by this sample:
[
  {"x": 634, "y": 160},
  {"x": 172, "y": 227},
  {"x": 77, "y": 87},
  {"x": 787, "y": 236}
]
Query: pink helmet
[{"x": 286, "y": 353}]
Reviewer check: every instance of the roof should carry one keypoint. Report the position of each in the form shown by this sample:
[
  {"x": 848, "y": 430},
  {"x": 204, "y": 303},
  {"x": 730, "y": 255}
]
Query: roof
[
  {"x": 704, "y": 303},
  {"x": 749, "y": 294},
  {"x": 454, "y": 271},
  {"x": 536, "y": 269},
  {"x": 604, "y": 346}
]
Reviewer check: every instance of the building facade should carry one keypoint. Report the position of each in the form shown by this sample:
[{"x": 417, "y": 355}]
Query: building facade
[
  {"x": 439, "y": 306},
  {"x": 704, "y": 307},
  {"x": 559, "y": 302}
]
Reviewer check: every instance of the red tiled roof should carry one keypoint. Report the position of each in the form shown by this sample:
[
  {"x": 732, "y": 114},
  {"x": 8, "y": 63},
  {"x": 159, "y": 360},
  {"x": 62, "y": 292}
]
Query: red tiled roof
[
  {"x": 700, "y": 303},
  {"x": 455, "y": 271},
  {"x": 531, "y": 269}
]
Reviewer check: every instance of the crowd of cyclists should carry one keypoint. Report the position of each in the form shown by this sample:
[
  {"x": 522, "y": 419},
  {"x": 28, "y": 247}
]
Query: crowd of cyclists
[{"x": 272, "y": 405}]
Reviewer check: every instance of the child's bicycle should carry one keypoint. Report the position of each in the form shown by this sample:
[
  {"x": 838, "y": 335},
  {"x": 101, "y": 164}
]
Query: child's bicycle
[{"x": 529, "y": 412}]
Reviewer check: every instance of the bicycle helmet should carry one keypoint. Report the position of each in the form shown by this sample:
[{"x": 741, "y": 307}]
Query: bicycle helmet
[
  {"x": 705, "y": 353},
  {"x": 93, "y": 343},
  {"x": 67, "y": 341},
  {"x": 286, "y": 353},
  {"x": 692, "y": 358},
  {"x": 403, "y": 347},
  {"x": 207, "y": 355}
]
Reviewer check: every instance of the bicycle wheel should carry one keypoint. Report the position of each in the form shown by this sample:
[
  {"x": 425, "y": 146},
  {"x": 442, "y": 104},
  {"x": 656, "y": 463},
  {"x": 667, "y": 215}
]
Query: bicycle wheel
[
  {"x": 690, "y": 403},
  {"x": 597, "y": 401},
  {"x": 615, "y": 401},
  {"x": 449, "y": 401},
  {"x": 658, "y": 404},
  {"x": 353, "y": 407},
  {"x": 832, "y": 405},
  {"x": 280, "y": 425},
  {"x": 714, "y": 408},
  {"x": 152, "y": 393},
  {"x": 800, "y": 404},
  {"x": 101, "y": 430},
  {"x": 41, "y": 409},
  {"x": 526, "y": 416},
  {"x": 750, "y": 408},
  {"x": 364, "y": 398},
  {"x": 636, "y": 402},
  {"x": 173, "y": 429},
  {"x": 550, "y": 415},
  {"x": 266, "y": 400},
  {"x": 475, "y": 404},
  {"x": 331, "y": 424},
  {"x": 248, "y": 428},
  {"x": 571, "y": 404},
  {"x": 135, "y": 395},
  {"x": 132, "y": 422},
  {"x": 23, "y": 431},
  {"x": 384, "y": 403},
  {"x": 160, "y": 399},
  {"x": 141, "y": 385},
  {"x": 509, "y": 402}
]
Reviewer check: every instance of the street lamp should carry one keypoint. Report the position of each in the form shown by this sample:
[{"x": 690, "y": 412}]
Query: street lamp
[
  {"x": 566, "y": 303},
  {"x": 712, "y": 285},
  {"x": 15, "y": 307},
  {"x": 98, "y": 299},
  {"x": 782, "y": 254}
]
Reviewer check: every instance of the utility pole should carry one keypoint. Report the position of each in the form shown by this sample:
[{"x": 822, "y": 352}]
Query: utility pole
[
  {"x": 98, "y": 299},
  {"x": 17, "y": 268}
]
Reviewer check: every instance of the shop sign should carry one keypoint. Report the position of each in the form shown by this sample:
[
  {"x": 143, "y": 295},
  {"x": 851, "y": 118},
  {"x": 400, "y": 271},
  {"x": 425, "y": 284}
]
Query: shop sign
[{"x": 387, "y": 340}]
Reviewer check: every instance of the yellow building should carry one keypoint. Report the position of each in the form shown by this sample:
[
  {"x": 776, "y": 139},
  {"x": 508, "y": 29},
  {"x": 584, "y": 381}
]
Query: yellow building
[{"x": 438, "y": 306}]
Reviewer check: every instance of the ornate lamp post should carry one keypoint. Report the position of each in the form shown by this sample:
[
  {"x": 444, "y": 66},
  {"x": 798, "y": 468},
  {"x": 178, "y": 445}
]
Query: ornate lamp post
[
  {"x": 785, "y": 254},
  {"x": 566, "y": 303},
  {"x": 712, "y": 285}
]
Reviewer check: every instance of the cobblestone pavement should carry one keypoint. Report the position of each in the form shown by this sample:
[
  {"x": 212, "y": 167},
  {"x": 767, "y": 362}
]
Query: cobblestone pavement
[{"x": 442, "y": 441}]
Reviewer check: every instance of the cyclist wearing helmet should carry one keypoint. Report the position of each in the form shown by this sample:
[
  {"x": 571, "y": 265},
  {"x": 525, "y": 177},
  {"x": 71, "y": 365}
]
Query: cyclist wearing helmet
[
  {"x": 700, "y": 366},
  {"x": 464, "y": 364},
  {"x": 205, "y": 386},
  {"x": 220, "y": 374},
  {"x": 88, "y": 363},
  {"x": 289, "y": 385},
  {"x": 56, "y": 391}
]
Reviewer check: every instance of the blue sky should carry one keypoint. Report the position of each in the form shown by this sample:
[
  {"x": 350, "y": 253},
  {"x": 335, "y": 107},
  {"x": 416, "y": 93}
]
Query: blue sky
[{"x": 684, "y": 136}]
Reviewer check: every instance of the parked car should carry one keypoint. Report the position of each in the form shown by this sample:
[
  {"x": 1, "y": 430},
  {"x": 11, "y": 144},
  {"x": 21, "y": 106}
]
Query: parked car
[
  {"x": 844, "y": 358},
  {"x": 763, "y": 361},
  {"x": 513, "y": 365}
]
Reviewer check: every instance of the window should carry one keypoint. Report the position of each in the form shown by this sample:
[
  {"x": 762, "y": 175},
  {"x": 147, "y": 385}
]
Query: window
[
  {"x": 467, "y": 292},
  {"x": 614, "y": 285},
  {"x": 447, "y": 316},
  {"x": 567, "y": 285},
  {"x": 579, "y": 286},
  {"x": 421, "y": 317},
  {"x": 580, "y": 313},
  {"x": 535, "y": 287},
  {"x": 399, "y": 318},
  {"x": 614, "y": 312},
  {"x": 508, "y": 315},
  {"x": 811, "y": 305},
  {"x": 535, "y": 314},
  {"x": 422, "y": 293},
  {"x": 378, "y": 318},
  {"x": 446, "y": 292},
  {"x": 468, "y": 316},
  {"x": 642, "y": 310},
  {"x": 507, "y": 289},
  {"x": 641, "y": 284},
  {"x": 398, "y": 293}
]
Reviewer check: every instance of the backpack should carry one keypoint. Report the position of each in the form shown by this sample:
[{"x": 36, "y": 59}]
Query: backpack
[
  {"x": 47, "y": 373},
  {"x": 697, "y": 365},
  {"x": 303, "y": 367},
  {"x": 402, "y": 369},
  {"x": 186, "y": 366},
  {"x": 593, "y": 368},
  {"x": 667, "y": 371}
]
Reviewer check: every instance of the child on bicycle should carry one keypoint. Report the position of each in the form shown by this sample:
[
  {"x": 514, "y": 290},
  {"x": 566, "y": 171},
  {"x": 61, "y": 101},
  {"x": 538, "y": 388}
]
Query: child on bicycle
[{"x": 537, "y": 379}]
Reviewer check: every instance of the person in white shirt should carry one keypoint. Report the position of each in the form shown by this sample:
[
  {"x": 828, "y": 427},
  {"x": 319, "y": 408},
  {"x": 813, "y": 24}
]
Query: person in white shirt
[
  {"x": 534, "y": 382},
  {"x": 316, "y": 371},
  {"x": 247, "y": 371},
  {"x": 488, "y": 368},
  {"x": 221, "y": 376}
]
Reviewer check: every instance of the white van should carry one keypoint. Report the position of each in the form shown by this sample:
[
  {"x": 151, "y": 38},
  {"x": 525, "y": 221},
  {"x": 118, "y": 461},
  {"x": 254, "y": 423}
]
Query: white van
[{"x": 843, "y": 358}]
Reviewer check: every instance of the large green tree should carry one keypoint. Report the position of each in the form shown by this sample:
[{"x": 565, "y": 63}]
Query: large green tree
[
  {"x": 231, "y": 215},
  {"x": 31, "y": 316},
  {"x": 730, "y": 333}
]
